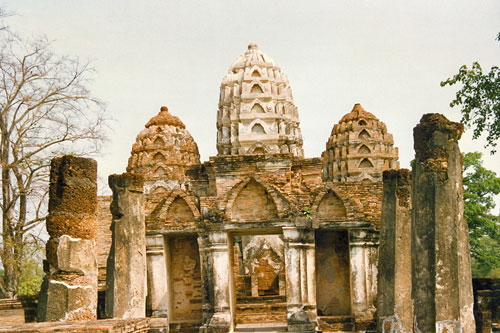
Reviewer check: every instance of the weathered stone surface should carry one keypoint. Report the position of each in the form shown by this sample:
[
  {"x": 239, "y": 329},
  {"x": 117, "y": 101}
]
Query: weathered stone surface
[
  {"x": 71, "y": 299},
  {"x": 394, "y": 303},
  {"x": 69, "y": 290},
  {"x": 76, "y": 255},
  {"x": 126, "y": 268},
  {"x": 441, "y": 280}
]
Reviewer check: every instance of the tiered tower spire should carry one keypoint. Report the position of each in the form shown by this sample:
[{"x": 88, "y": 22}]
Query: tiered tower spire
[
  {"x": 256, "y": 111},
  {"x": 359, "y": 148}
]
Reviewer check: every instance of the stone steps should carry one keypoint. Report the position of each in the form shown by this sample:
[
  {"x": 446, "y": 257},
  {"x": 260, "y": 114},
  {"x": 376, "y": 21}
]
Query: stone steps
[
  {"x": 184, "y": 327},
  {"x": 261, "y": 299},
  {"x": 276, "y": 327},
  {"x": 261, "y": 312},
  {"x": 337, "y": 323}
]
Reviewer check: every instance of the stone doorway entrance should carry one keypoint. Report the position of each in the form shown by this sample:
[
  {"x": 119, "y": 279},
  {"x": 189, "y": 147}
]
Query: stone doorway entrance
[
  {"x": 333, "y": 283},
  {"x": 183, "y": 282},
  {"x": 258, "y": 268}
]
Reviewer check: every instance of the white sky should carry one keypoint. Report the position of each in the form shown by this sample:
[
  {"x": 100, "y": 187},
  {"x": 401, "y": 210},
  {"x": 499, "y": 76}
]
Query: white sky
[{"x": 390, "y": 56}]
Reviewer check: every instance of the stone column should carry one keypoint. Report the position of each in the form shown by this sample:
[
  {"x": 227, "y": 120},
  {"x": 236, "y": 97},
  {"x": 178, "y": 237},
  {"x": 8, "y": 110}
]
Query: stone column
[
  {"x": 218, "y": 251},
  {"x": 157, "y": 275},
  {"x": 126, "y": 266},
  {"x": 207, "y": 286},
  {"x": 69, "y": 289},
  {"x": 298, "y": 314},
  {"x": 441, "y": 272},
  {"x": 310, "y": 257},
  {"x": 363, "y": 255},
  {"x": 394, "y": 303},
  {"x": 358, "y": 281}
]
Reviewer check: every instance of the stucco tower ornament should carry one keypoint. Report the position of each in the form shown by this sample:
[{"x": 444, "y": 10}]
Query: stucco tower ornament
[
  {"x": 359, "y": 148},
  {"x": 256, "y": 111},
  {"x": 162, "y": 152}
]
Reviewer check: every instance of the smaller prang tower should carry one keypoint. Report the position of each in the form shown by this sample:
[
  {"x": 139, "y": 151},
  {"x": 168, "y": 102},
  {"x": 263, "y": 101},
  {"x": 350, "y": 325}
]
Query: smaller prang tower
[{"x": 359, "y": 148}]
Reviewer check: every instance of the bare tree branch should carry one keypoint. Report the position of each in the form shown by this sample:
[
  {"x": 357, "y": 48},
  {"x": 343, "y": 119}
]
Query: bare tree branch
[{"x": 46, "y": 109}]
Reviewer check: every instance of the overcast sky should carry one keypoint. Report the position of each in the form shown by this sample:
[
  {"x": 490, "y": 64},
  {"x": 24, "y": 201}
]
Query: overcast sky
[{"x": 390, "y": 56}]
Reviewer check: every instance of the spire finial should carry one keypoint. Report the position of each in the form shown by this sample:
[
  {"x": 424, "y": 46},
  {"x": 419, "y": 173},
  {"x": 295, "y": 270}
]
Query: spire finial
[{"x": 253, "y": 46}]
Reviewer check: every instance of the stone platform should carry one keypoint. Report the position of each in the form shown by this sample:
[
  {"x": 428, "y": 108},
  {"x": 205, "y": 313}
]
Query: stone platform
[{"x": 92, "y": 326}]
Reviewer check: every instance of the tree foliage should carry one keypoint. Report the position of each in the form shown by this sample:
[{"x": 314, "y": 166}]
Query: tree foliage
[
  {"x": 479, "y": 99},
  {"x": 480, "y": 187},
  {"x": 31, "y": 276},
  {"x": 46, "y": 109}
]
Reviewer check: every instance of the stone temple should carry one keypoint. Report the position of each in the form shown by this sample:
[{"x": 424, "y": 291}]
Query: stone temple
[
  {"x": 259, "y": 238},
  {"x": 258, "y": 233}
]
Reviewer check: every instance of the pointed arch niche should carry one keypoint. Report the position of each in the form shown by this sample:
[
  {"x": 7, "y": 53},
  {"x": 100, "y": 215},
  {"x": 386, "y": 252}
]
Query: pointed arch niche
[
  {"x": 253, "y": 203},
  {"x": 364, "y": 135},
  {"x": 331, "y": 207},
  {"x": 159, "y": 141},
  {"x": 179, "y": 212},
  {"x": 160, "y": 171},
  {"x": 258, "y": 108},
  {"x": 258, "y": 129},
  {"x": 256, "y": 89},
  {"x": 158, "y": 157},
  {"x": 366, "y": 164},
  {"x": 364, "y": 150}
]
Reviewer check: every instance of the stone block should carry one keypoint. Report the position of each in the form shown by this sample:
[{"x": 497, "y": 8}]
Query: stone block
[
  {"x": 76, "y": 255},
  {"x": 69, "y": 299}
]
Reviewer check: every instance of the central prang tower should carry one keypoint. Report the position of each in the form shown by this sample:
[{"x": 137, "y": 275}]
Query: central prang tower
[{"x": 256, "y": 111}]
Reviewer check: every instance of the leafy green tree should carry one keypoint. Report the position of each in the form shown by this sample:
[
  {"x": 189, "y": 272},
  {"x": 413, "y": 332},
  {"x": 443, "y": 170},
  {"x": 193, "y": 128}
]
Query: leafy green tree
[
  {"x": 480, "y": 187},
  {"x": 479, "y": 99}
]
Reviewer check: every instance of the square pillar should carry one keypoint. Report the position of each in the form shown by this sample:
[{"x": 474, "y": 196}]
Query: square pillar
[
  {"x": 300, "y": 276},
  {"x": 126, "y": 264},
  {"x": 157, "y": 275},
  {"x": 441, "y": 271},
  {"x": 394, "y": 303},
  {"x": 363, "y": 256},
  {"x": 207, "y": 285},
  {"x": 217, "y": 282}
]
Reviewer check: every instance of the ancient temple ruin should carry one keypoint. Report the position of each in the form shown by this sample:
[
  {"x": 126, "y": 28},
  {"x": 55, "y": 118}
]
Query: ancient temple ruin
[
  {"x": 258, "y": 233},
  {"x": 261, "y": 235}
]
